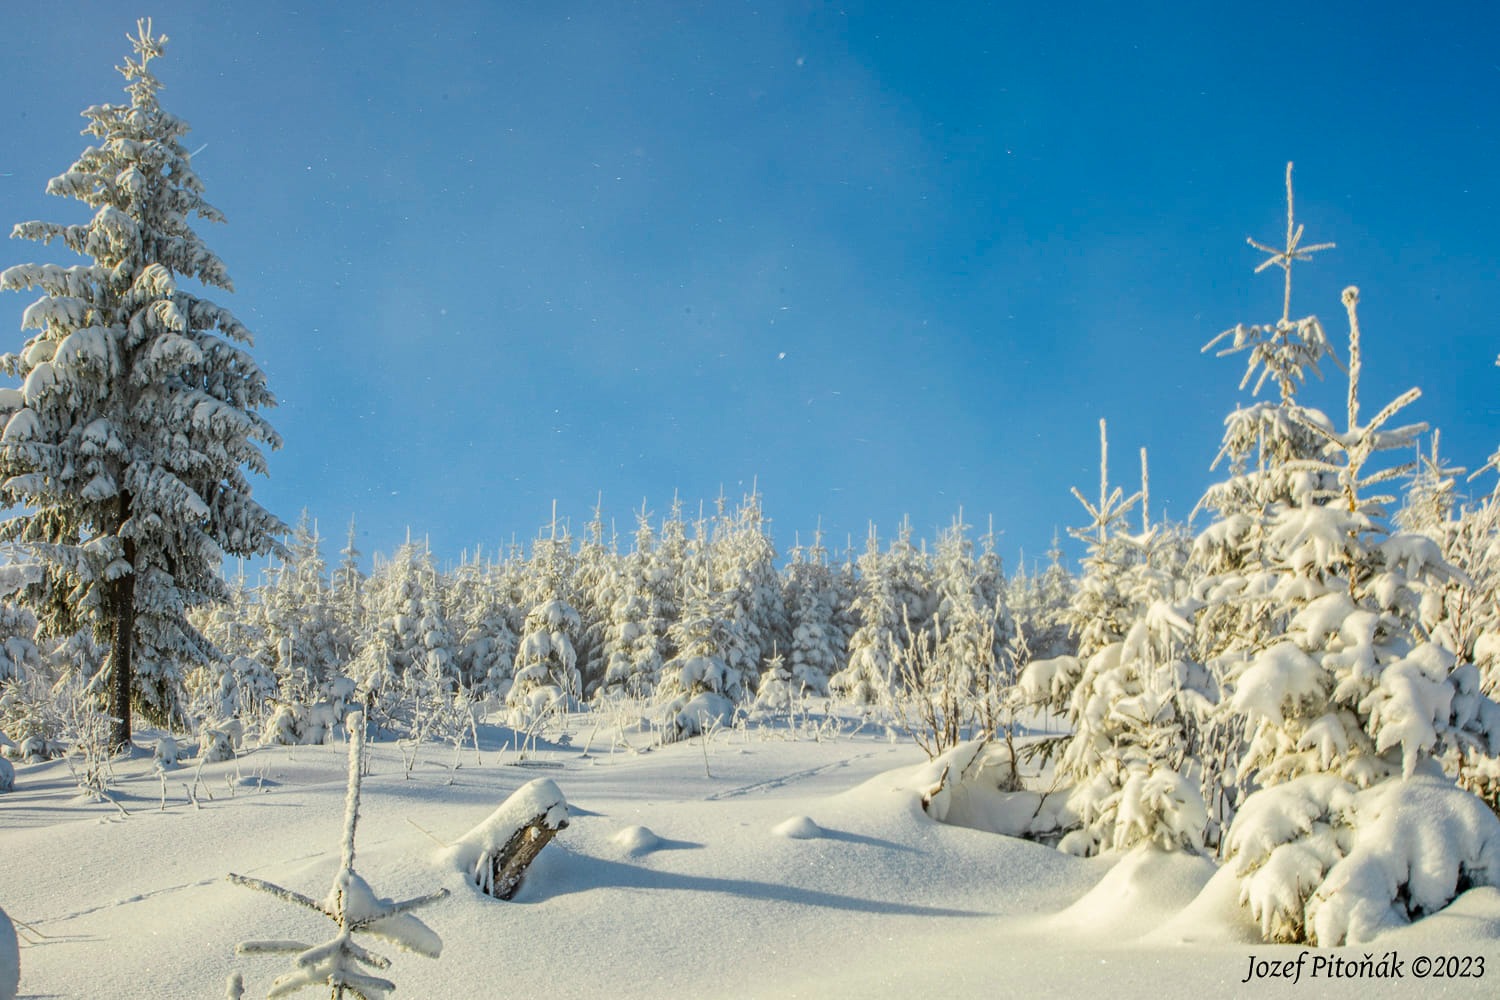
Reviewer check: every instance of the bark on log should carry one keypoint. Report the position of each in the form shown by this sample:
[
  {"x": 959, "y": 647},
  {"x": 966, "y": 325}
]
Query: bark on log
[{"x": 507, "y": 867}]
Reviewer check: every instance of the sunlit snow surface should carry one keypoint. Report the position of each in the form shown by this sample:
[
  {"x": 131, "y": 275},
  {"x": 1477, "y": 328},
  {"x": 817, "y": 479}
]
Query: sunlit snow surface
[{"x": 771, "y": 867}]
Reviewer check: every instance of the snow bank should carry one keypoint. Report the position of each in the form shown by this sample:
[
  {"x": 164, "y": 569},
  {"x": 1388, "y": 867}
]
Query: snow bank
[
  {"x": 887, "y": 904},
  {"x": 967, "y": 786},
  {"x": 1215, "y": 916},
  {"x": 1143, "y": 890}
]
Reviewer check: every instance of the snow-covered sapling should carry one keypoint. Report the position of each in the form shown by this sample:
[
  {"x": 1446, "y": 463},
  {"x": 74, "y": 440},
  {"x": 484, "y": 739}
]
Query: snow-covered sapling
[
  {"x": 89, "y": 759},
  {"x": 166, "y": 753},
  {"x": 354, "y": 908},
  {"x": 220, "y": 741}
]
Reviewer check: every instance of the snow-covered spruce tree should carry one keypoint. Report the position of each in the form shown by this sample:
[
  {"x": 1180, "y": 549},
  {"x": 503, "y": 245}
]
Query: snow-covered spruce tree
[
  {"x": 47, "y": 702},
  {"x": 1268, "y": 446},
  {"x": 949, "y": 672},
  {"x": 126, "y": 448},
  {"x": 1039, "y": 606},
  {"x": 546, "y": 675},
  {"x": 486, "y": 638},
  {"x": 593, "y": 581},
  {"x": 1354, "y": 828},
  {"x": 991, "y": 589},
  {"x": 549, "y": 573},
  {"x": 349, "y": 590},
  {"x": 304, "y": 640},
  {"x": 1471, "y": 618},
  {"x": 1465, "y": 610},
  {"x": 434, "y": 681},
  {"x": 909, "y": 569},
  {"x": 742, "y": 560},
  {"x": 1427, "y": 506},
  {"x": 668, "y": 570},
  {"x": 635, "y": 632},
  {"x": 30, "y": 725},
  {"x": 1100, "y": 608},
  {"x": 870, "y": 675},
  {"x": 407, "y": 656},
  {"x": 19, "y": 655},
  {"x": 811, "y": 597},
  {"x": 777, "y": 693},
  {"x": 894, "y": 602},
  {"x": 1471, "y": 614},
  {"x": 1134, "y": 702},
  {"x": 234, "y": 683},
  {"x": 845, "y": 589},
  {"x": 698, "y": 686},
  {"x": 729, "y": 612}
]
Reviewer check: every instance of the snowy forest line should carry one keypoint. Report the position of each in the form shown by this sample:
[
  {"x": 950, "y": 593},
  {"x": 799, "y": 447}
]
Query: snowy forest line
[
  {"x": 1302, "y": 688},
  {"x": 695, "y": 617}
]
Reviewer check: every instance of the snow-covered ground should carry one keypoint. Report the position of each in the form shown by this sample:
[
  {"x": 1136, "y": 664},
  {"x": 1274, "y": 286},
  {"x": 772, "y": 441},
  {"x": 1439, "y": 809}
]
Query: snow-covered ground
[{"x": 769, "y": 866}]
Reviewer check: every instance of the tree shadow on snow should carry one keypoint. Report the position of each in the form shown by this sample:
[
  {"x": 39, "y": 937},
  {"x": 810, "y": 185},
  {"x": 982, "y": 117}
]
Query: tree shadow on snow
[
  {"x": 859, "y": 838},
  {"x": 566, "y": 873},
  {"x": 668, "y": 844}
]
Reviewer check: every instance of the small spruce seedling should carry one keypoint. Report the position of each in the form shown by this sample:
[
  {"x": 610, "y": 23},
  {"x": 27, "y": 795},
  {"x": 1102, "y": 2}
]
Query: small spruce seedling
[{"x": 354, "y": 908}]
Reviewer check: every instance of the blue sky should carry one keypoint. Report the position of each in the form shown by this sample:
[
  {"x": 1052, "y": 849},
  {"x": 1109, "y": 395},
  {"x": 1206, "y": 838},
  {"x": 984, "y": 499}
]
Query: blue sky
[{"x": 888, "y": 259}]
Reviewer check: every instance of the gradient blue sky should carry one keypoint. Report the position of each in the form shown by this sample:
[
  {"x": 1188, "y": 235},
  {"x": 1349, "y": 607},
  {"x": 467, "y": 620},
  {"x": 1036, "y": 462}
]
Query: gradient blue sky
[{"x": 889, "y": 258}]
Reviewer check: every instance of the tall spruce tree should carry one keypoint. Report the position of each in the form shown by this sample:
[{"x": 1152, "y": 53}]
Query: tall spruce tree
[{"x": 125, "y": 452}]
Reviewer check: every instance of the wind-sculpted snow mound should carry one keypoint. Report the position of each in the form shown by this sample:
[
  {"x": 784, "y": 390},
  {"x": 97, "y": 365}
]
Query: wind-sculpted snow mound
[
  {"x": 798, "y": 828},
  {"x": 1145, "y": 888},
  {"x": 637, "y": 840}
]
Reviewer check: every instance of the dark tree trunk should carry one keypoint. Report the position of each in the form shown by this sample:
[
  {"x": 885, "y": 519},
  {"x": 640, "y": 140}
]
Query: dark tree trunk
[
  {"x": 121, "y": 676},
  {"x": 121, "y": 604}
]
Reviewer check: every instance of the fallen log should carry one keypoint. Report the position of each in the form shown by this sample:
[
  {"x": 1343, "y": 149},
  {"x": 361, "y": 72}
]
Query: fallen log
[{"x": 496, "y": 854}]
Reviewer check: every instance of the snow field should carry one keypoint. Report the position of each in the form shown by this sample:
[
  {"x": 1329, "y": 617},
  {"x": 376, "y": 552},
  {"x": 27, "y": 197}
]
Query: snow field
[{"x": 666, "y": 882}]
